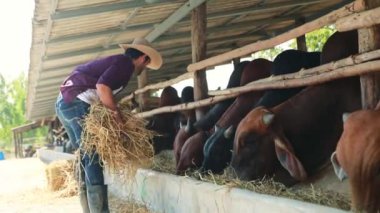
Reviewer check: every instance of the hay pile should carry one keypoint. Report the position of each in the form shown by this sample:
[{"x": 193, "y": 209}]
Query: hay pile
[
  {"x": 124, "y": 148},
  {"x": 60, "y": 177}
]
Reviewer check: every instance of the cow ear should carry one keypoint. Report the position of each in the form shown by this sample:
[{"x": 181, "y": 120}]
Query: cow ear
[
  {"x": 340, "y": 173},
  {"x": 228, "y": 133},
  {"x": 288, "y": 160},
  {"x": 345, "y": 116},
  {"x": 268, "y": 118}
]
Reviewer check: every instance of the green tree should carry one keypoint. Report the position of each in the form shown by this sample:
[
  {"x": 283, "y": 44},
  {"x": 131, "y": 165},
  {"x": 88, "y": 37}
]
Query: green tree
[
  {"x": 316, "y": 39},
  {"x": 12, "y": 110}
]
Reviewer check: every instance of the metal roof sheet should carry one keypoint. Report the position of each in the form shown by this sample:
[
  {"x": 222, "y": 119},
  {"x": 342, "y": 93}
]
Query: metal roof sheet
[{"x": 67, "y": 33}]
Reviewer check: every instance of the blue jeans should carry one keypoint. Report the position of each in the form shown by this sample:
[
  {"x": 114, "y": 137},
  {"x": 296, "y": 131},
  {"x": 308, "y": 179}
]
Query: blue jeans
[{"x": 71, "y": 116}]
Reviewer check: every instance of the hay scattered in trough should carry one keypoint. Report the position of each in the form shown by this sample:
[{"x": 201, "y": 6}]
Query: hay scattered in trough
[
  {"x": 126, "y": 206},
  {"x": 164, "y": 163},
  {"x": 124, "y": 148},
  {"x": 60, "y": 177}
]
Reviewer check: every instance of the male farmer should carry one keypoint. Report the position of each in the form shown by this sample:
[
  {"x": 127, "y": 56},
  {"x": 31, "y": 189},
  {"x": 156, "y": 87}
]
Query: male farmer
[{"x": 99, "y": 80}]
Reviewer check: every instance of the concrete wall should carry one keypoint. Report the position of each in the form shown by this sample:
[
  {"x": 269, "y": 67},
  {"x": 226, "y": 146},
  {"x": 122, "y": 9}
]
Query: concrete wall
[{"x": 174, "y": 194}]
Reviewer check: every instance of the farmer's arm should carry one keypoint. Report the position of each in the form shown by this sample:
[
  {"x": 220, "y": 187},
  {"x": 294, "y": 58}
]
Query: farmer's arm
[{"x": 106, "y": 97}]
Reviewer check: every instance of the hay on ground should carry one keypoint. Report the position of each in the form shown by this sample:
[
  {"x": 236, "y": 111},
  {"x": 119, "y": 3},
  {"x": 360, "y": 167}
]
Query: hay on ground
[
  {"x": 124, "y": 148},
  {"x": 60, "y": 177}
]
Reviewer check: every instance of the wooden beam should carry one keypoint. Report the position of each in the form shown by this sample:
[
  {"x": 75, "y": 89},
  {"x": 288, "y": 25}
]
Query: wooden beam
[
  {"x": 173, "y": 19},
  {"x": 364, "y": 19},
  {"x": 265, "y": 44},
  {"x": 279, "y": 82},
  {"x": 369, "y": 39},
  {"x": 199, "y": 49},
  {"x": 159, "y": 85}
]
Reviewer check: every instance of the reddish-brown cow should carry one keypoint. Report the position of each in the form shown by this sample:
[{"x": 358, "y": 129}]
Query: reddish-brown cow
[
  {"x": 183, "y": 134},
  {"x": 358, "y": 153},
  {"x": 192, "y": 152}
]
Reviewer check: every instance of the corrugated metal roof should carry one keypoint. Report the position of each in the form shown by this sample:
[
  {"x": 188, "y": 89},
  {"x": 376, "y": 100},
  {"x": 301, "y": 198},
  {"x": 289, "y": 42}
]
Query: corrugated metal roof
[{"x": 70, "y": 32}]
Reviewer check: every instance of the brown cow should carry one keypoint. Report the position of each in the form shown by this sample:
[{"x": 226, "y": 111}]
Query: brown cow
[
  {"x": 183, "y": 134},
  {"x": 297, "y": 136},
  {"x": 165, "y": 124},
  {"x": 217, "y": 150},
  {"x": 192, "y": 152},
  {"x": 358, "y": 153},
  {"x": 293, "y": 139}
]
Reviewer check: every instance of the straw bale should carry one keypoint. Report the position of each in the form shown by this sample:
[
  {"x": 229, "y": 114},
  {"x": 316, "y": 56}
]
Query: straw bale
[{"x": 60, "y": 177}]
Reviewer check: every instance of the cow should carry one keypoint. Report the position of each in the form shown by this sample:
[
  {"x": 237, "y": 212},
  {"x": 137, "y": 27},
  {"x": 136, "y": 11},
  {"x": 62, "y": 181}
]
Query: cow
[
  {"x": 208, "y": 121},
  {"x": 216, "y": 151},
  {"x": 358, "y": 154},
  {"x": 187, "y": 95},
  {"x": 191, "y": 153},
  {"x": 183, "y": 134},
  {"x": 288, "y": 61},
  {"x": 186, "y": 129},
  {"x": 292, "y": 140},
  {"x": 204, "y": 124},
  {"x": 166, "y": 124}
]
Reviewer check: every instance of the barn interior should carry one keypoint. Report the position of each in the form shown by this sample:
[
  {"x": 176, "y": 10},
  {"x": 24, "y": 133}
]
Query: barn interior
[{"x": 67, "y": 33}]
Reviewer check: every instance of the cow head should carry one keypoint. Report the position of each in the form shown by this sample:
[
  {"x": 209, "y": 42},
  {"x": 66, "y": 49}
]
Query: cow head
[
  {"x": 260, "y": 144},
  {"x": 217, "y": 150},
  {"x": 358, "y": 157}
]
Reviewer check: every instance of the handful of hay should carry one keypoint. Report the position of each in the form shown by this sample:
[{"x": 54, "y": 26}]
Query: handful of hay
[
  {"x": 124, "y": 148},
  {"x": 60, "y": 177}
]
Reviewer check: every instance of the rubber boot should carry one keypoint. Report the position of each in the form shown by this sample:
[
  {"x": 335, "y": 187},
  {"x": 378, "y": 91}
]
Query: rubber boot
[
  {"x": 97, "y": 198},
  {"x": 83, "y": 199}
]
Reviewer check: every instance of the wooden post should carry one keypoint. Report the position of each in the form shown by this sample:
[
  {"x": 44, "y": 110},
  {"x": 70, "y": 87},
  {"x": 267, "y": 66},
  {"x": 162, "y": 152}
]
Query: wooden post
[
  {"x": 21, "y": 142},
  {"x": 369, "y": 39},
  {"x": 198, "y": 47},
  {"x": 15, "y": 143},
  {"x": 142, "y": 81},
  {"x": 301, "y": 40}
]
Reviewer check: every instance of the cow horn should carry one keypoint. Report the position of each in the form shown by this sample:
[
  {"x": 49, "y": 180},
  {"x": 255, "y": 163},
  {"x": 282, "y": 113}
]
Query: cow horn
[
  {"x": 340, "y": 173},
  {"x": 188, "y": 125},
  {"x": 345, "y": 116},
  {"x": 228, "y": 133},
  {"x": 268, "y": 118}
]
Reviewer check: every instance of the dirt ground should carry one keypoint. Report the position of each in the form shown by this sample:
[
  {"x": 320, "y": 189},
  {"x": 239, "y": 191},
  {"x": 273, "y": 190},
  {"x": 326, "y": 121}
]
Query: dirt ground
[{"x": 23, "y": 188}]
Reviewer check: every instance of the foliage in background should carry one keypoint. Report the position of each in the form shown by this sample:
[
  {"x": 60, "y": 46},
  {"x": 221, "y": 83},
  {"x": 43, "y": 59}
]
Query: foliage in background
[
  {"x": 12, "y": 111},
  {"x": 316, "y": 39},
  {"x": 314, "y": 42}
]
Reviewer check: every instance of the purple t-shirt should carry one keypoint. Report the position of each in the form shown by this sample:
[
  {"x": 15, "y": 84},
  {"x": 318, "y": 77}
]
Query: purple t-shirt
[{"x": 113, "y": 71}]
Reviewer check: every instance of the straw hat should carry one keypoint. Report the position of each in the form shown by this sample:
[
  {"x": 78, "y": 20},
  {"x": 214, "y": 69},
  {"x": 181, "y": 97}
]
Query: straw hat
[{"x": 144, "y": 46}]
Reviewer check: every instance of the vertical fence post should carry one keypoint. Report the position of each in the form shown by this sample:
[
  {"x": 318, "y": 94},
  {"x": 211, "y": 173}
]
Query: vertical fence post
[{"x": 369, "y": 39}]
